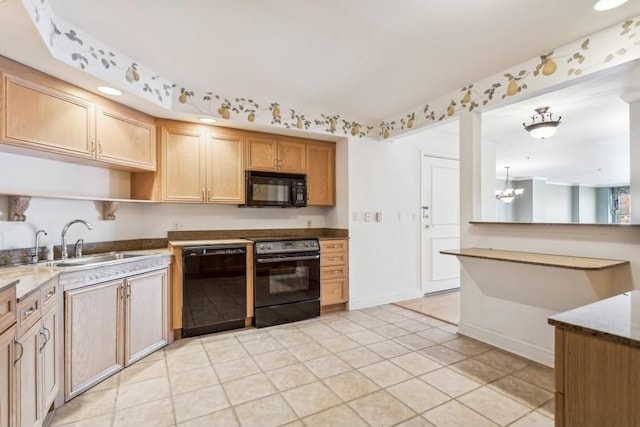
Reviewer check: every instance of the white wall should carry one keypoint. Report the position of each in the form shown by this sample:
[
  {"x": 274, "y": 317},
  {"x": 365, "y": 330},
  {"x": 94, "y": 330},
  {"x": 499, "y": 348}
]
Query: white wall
[
  {"x": 385, "y": 176},
  {"x": 519, "y": 327},
  {"x": 29, "y": 175}
]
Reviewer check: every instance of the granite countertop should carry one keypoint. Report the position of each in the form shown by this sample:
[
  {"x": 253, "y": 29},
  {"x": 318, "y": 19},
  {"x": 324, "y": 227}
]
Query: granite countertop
[
  {"x": 615, "y": 319},
  {"x": 27, "y": 278},
  {"x": 548, "y": 260},
  {"x": 180, "y": 243}
]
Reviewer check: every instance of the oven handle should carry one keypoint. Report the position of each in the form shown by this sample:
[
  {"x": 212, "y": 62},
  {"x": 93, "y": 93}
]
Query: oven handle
[{"x": 293, "y": 258}]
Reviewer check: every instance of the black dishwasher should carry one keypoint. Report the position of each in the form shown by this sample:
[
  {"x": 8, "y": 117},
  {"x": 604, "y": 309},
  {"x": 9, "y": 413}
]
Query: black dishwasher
[{"x": 214, "y": 284}]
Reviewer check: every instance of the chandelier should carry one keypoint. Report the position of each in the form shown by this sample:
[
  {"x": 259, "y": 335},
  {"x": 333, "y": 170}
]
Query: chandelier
[
  {"x": 542, "y": 124},
  {"x": 509, "y": 193}
]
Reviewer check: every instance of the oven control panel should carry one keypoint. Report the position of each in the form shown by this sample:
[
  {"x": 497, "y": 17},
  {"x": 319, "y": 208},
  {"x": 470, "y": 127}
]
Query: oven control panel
[{"x": 287, "y": 246}]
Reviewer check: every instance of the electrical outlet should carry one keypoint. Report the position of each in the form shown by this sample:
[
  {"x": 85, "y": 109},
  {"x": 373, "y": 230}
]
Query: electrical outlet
[
  {"x": 308, "y": 223},
  {"x": 177, "y": 225}
]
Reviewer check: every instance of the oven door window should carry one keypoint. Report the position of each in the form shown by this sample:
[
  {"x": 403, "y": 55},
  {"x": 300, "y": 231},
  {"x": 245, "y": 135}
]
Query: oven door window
[
  {"x": 289, "y": 279},
  {"x": 285, "y": 281}
]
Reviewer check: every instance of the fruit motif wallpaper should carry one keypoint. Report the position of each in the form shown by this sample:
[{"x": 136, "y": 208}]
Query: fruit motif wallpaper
[{"x": 604, "y": 49}]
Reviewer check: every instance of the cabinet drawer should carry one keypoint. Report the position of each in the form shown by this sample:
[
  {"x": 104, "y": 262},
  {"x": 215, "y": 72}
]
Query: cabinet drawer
[
  {"x": 333, "y": 259},
  {"x": 29, "y": 311},
  {"x": 333, "y": 272},
  {"x": 333, "y": 246},
  {"x": 49, "y": 292},
  {"x": 333, "y": 292},
  {"x": 7, "y": 308}
]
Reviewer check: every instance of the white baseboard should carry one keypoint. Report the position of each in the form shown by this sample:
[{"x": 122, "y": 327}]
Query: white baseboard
[
  {"x": 355, "y": 304},
  {"x": 522, "y": 348}
]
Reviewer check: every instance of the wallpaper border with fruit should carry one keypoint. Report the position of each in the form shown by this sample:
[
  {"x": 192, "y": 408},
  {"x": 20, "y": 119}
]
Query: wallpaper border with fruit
[{"x": 607, "y": 48}]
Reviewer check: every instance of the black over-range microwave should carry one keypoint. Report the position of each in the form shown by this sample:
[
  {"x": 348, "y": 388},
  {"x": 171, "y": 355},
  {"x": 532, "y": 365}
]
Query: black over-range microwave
[{"x": 285, "y": 190}]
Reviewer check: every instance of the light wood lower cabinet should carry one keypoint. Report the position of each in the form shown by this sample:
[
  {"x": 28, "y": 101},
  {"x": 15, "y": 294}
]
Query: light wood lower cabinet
[
  {"x": 334, "y": 272},
  {"x": 597, "y": 381},
  {"x": 37, "y": 372},
  {"x": 110, "y": 325},
  {"x": 28, "y": 371},
  {"x": 147, "y": 315},
  {"x": 7, "y": 383}
]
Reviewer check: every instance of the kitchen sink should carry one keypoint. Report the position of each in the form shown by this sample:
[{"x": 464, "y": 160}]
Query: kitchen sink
[{"x": 92, "y": 259}]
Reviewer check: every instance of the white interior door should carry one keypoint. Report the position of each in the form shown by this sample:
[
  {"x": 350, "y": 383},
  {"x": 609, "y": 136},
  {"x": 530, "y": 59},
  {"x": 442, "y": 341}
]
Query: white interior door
[{"x": 440, "y": 223}]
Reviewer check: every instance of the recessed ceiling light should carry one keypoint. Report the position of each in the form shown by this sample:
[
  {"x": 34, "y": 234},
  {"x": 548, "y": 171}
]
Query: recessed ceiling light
[
  {"x": 608, "y": 4},
  {"x": 109, "y": 90},
  {"x": 207, "y": 120}
]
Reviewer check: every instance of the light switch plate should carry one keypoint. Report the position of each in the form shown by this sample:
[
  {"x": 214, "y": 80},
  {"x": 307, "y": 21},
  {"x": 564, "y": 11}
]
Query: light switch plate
[
  {"x": 367, "y": 216},
  {"x": 378, "y": 216}
]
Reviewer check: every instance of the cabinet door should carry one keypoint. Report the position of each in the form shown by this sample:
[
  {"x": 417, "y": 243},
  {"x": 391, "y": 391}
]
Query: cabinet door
[
  {"x": 184, "y": 165},
  {"x": 321, "y": 159},
  {"x": 262, "y": 154},
  {"x": 333, "y": 292},
  {"x": 93, "y": 330},
  {"x": 45, "y": 119},
  {"x": 49, "y": 352},
  {"x": 7, "y": 383},
  {"x": 291, "y": 157},
  {"x": 28, "y": 381},
  {"x": 124, "y": 141},
  {"x": 147, "y": 314},
  {"x": 225, "y": 170}
]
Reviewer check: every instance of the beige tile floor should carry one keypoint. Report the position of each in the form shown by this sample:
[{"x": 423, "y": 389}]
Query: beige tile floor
[{"x": 381, "y": 366}]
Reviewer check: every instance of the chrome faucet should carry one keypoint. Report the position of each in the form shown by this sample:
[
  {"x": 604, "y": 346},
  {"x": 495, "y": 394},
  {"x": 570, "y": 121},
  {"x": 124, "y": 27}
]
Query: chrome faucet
[
  {"x": 36, "y": 253},
  {"x": 65, "y": 254}
]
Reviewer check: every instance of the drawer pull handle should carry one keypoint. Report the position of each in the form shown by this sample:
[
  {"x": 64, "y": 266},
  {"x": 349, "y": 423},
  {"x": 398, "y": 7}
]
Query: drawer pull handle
[
  {"x": 49, "y": 294},
  {"x": 333, "y": 258},
  {"x": 28, "y": 312}
]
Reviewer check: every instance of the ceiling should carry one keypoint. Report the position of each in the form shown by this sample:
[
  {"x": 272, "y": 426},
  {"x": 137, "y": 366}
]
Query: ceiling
[
  {"x": 591, "y": 145},
  {"x": 368, "y": 59}
]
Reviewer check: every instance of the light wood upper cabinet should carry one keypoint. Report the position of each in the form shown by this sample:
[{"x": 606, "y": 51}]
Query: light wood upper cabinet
[
  {"x": 197, "y": 165},
  {"x": 225, "y": 169},
  {"x": 61, "y": 121},
  {"x": 43, "y": 118},
  {"x": 183, "y": 173},
  {"x": 7, "y": 383},
  {"x": 122, "y": 140},
  {"x": 275, "y": 155},
  {"x": 321, "y": 160},
  {"x": 262, "y": 154}
]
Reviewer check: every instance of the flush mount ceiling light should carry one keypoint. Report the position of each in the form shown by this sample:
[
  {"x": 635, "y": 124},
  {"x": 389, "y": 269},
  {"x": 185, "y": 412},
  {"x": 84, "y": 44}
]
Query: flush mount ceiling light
[
  {"x": 542, "y": 124},
  {"x": 207, "y": 120},
  {"x": 109, "y": 90},
  {"x": 509, "y": 193},
  {"x": 602, "y": 5}
]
